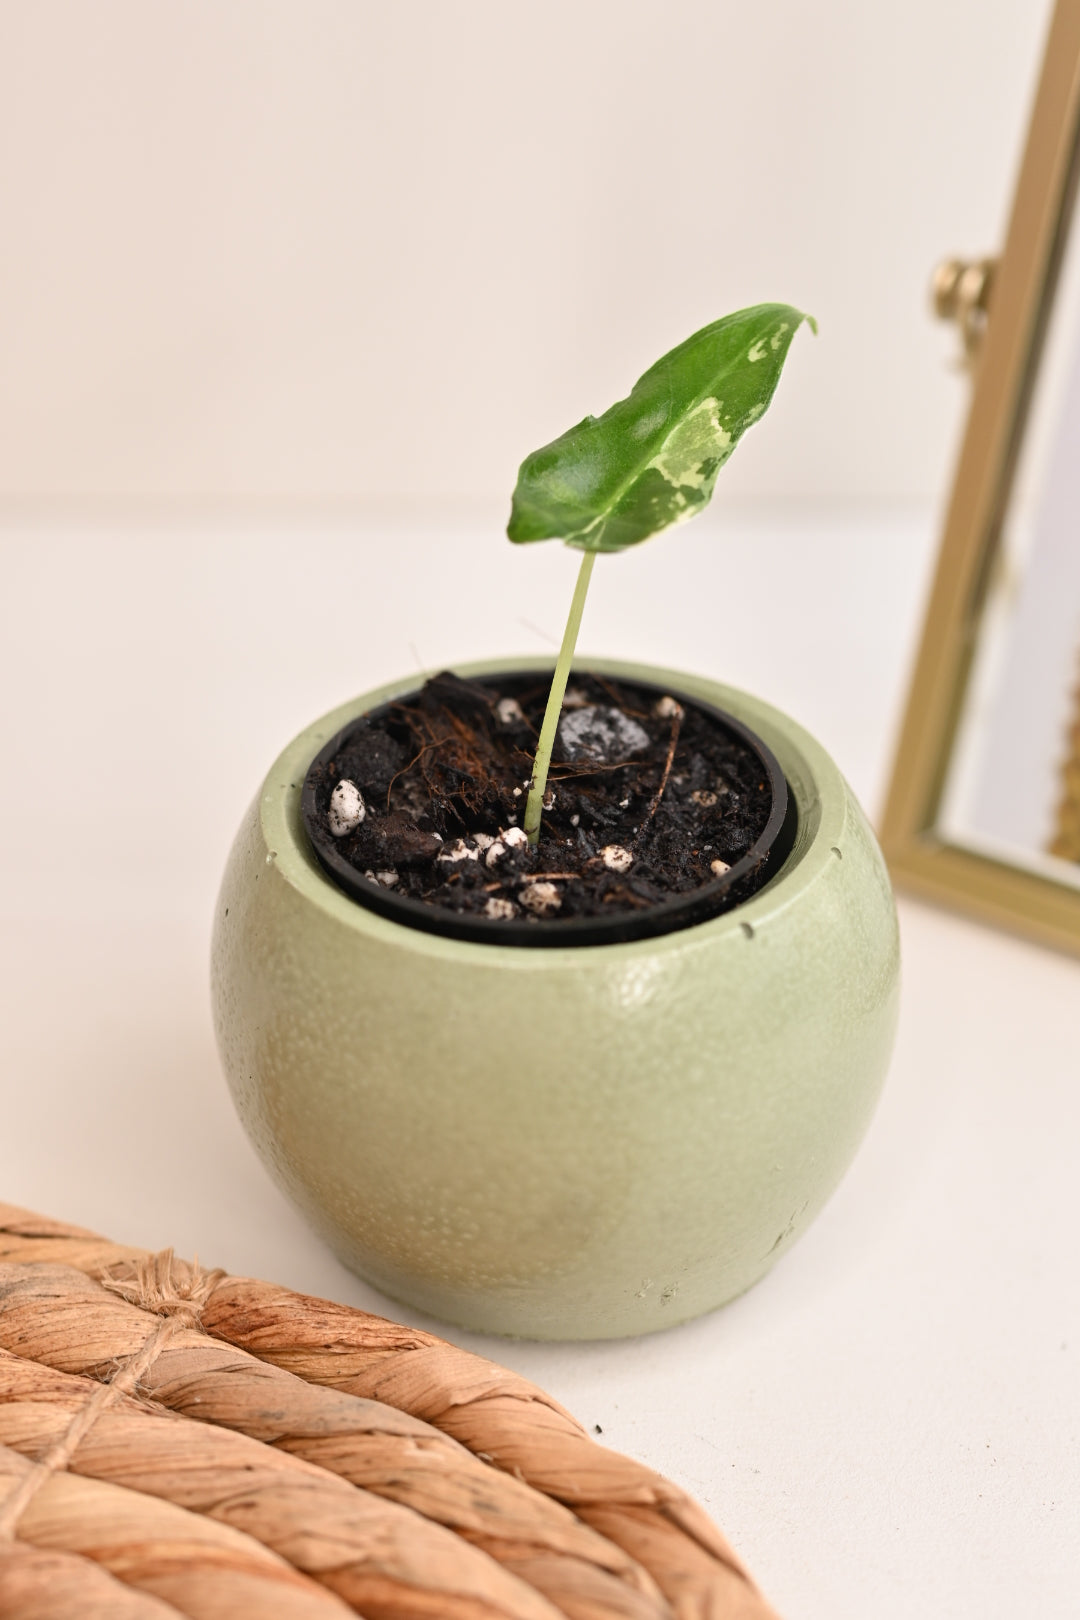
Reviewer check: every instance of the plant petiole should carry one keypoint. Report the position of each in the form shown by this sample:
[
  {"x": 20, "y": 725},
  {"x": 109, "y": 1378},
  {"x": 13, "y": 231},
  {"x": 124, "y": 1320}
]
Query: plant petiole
[{"x": 534, "y": 806}]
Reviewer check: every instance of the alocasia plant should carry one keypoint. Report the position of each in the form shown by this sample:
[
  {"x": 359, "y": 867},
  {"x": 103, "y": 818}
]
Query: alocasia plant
[{"x": 649, "y": 462}]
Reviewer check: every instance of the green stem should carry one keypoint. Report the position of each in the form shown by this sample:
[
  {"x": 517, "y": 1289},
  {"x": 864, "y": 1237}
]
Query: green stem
[{"x": 534, "y": 805}]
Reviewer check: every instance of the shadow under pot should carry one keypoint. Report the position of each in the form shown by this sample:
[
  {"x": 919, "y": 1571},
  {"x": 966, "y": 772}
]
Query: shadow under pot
[{"x": 585, "y": 1140}]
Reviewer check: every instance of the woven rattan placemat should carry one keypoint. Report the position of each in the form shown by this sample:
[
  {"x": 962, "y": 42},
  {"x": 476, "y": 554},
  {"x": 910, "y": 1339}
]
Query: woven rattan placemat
[{"x": 180, "y": 1441}]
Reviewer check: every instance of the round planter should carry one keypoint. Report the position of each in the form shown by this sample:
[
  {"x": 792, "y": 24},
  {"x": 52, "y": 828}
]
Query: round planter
[{"x": 578, "y": 1142}]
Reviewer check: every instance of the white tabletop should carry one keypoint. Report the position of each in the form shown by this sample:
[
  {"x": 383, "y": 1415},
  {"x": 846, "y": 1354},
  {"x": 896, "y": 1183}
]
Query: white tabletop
[{"x": 889, "y": 1424}]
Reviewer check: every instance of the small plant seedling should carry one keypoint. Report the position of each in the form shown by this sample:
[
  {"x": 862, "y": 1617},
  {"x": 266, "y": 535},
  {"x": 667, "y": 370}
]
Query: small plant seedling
[{"x": 649, "y": 462}]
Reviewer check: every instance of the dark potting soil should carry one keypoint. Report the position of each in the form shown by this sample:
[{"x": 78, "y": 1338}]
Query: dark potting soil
[{"x": 648, "y": 799}]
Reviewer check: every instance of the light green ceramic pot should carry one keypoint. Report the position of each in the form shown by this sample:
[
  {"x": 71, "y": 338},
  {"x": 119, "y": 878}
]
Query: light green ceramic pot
[{"x": 560, "y": 1143}]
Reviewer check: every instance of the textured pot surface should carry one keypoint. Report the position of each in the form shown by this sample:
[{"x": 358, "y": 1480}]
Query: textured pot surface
[{"x": 556, "y": 1143}]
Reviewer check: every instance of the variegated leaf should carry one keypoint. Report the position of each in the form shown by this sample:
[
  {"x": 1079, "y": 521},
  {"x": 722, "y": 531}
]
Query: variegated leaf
[{"x": 652, "y": 459}]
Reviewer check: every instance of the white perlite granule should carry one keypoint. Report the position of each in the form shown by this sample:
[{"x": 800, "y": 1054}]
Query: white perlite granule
[
  {"x": 347, "y": 809},
  {"x": 453, "y": 854},
  {"x": 509, "y": 712},
  {"x": 616, "y": 857},
  {"x": 541, "y": 898},
  {"x": 500, "y": 910}
]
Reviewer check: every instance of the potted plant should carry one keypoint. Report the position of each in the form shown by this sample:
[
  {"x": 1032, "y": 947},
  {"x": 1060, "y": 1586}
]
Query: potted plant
[{"x": 559, "y": 1000}]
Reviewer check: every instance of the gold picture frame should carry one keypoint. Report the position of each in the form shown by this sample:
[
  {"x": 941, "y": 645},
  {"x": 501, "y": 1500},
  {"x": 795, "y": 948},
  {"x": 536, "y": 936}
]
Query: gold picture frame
[{"x": 922, "y": 856}]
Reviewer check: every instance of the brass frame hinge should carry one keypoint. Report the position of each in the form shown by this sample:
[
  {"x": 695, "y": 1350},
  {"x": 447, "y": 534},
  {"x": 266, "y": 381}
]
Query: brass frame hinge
[{"x": 960, "y": 291}]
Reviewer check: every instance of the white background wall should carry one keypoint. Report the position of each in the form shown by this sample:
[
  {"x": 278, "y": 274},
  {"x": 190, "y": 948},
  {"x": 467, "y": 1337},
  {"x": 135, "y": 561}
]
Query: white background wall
[
  {"x": 338, "y": 248},
  {"x": 334, "y": 248}
]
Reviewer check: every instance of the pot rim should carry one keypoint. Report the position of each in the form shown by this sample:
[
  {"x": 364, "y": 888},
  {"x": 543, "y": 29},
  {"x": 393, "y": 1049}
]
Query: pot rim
[
  {"x": 678, "y": 911},
  {"x": 815, "y": 783}
]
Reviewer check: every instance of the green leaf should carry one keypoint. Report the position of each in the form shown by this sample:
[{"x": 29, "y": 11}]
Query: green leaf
[{"x": 652, "y": 459}]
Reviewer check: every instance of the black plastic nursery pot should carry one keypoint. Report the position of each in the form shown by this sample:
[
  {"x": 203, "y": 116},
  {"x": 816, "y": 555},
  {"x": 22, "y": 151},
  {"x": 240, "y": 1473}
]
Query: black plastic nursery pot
[{"x": 745, "y": 877}]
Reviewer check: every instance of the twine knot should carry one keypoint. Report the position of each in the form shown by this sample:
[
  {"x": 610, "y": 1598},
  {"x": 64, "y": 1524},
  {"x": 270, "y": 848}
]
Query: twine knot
[{"x": 164, "y": 1285}]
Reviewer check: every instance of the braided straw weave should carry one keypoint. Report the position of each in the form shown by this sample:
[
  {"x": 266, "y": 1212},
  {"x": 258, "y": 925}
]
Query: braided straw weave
[{"x": 177, "y": 1441}]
